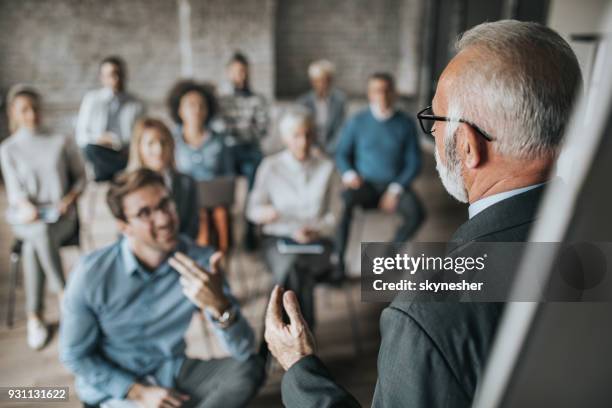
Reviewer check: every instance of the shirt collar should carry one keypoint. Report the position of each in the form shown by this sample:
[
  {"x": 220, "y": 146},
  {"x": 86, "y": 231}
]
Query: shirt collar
[
  {"x": 479, "y": 206},
  {"x": 131, "y": 264},
  {"x": 294, "y": 163},
  {"x": 380, "y": 116}
]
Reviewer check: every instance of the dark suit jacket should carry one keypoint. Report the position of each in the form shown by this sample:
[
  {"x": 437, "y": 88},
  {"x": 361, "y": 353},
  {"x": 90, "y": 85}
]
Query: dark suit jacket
[
  {"x": 184, "y": 192},
  {"x": 432, "y": 354},
  {"x": 335, "y": 119}
]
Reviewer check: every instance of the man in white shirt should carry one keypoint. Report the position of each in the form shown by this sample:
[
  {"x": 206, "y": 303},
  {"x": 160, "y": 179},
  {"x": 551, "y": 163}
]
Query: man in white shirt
[
  {"x": 296, "y": 198},
  {"x": 106, "y": 119}
]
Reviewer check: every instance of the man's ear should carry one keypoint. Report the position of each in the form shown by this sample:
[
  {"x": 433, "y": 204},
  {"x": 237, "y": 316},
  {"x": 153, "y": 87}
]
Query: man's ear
[{"x": 470, "y": 147}]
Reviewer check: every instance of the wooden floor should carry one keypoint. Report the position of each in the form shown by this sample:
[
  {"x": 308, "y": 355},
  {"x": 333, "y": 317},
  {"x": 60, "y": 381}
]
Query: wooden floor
[{"x": 20, "y": 366}]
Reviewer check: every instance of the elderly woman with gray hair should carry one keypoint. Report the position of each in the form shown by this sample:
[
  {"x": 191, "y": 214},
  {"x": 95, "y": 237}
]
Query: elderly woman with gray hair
[
  {"x": 43, "y": 175},
  {"x": 296, "y": 198}
]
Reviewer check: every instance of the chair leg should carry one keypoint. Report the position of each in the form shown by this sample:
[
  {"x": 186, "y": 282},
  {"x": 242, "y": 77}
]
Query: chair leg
[
  {"x": 353, "y": 318},
  {"x": 91, "y": 213},
  {"x": 10, "y": 310}
]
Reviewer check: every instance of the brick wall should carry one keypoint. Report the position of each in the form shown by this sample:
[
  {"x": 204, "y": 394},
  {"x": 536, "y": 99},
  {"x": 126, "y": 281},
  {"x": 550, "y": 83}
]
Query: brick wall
[
  {"x": 359, "y": 36},
  {"x": 57, "y": 45}
]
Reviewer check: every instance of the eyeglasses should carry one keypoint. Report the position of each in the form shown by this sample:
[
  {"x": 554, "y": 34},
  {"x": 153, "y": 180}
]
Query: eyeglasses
[
  {"x": 427, "y": 120},
  {"x": 145, "y": 214}
]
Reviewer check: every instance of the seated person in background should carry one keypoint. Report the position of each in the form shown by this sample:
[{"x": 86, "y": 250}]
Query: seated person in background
[
  {"x": 379, "y": 156},
  {"x": 127, "y": 307},
  {"x": 106, "y": 119},
  {"x": 201, "y": 152},
  {"x": 44, "y": 175},
  {"x": 245, "y": 114},
  {"x": 296, "y": 198},
  {"x": 152, "y": 147},
  {"x": 326, "y": 103}
]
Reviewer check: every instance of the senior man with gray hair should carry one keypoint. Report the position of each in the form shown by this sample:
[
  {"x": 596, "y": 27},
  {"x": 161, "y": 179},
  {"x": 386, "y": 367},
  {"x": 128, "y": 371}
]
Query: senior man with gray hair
[
  {"x": 296, "y": 198},
  {"x": 498, "y": 118},
  {"x": 326, "y": 103}
]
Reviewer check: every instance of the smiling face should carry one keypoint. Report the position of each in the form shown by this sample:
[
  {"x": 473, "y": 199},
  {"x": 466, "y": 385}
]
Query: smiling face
[
  {"x": 151, "y": 219},
  {"x": 155, "y": 150},
  {"x": 25, "y": 112},
  {"x": 193, "y": 109}
]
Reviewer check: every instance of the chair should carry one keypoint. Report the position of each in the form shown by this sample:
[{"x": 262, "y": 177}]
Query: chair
[{"x": 15, "y": 259}]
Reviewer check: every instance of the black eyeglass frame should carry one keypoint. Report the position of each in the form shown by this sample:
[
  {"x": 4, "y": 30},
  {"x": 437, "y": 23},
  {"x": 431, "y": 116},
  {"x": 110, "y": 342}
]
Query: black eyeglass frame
[{"x": 424, "y": 116}]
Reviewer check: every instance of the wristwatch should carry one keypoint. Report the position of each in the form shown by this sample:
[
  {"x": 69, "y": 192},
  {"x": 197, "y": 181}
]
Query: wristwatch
[{"x": 226, "y": 318}]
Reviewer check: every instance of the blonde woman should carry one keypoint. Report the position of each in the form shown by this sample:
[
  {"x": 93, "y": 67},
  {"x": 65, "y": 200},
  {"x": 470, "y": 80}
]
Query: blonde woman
[
  {"x": 152, "y": 147},
  {"x": 44, "y": 175}
]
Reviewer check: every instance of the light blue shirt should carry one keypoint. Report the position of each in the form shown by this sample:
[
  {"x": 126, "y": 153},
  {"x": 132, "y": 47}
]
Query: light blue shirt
[
  {"x": 478, "y": 206},
  {"x": 210, "y": 160},
  {"x": 121, "y": 322}
]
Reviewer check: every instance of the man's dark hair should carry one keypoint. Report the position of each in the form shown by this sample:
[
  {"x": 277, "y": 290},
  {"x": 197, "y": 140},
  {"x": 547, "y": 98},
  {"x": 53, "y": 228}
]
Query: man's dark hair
[
  {"x": 181, "y": 88},
  {"x": 240, "y": 58},
  {"x": 383, "y": 76},
  {"x": 126, "y": 183},
  {"x": 121, "y": 67}
]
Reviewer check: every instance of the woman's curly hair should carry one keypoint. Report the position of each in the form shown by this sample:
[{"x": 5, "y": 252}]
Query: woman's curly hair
[{"x": 185, "y": 86}]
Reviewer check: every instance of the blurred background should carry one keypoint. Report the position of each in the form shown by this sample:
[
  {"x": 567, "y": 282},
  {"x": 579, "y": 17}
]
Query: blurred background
[{"x": 57, "y": 47}]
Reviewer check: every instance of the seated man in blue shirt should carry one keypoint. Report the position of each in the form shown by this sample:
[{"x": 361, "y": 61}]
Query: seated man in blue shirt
[
  {"x": 379, "y": 156},
  {"x": 127, "y": 307}
]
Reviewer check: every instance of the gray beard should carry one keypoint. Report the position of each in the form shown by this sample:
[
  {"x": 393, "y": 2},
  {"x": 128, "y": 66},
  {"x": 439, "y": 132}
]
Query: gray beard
[{"x": 451, "y": 177}]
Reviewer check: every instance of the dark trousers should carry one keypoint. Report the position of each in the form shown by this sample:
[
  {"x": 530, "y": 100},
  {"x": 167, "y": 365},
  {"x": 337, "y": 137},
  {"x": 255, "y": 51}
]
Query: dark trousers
[
  {"x": 247, "y": 157},
  {"x": 298, "y": 272},
  {"x": 367, "y": 196},
  {"x": 106, "y": 162},
  {"x": 224, "y": 382}
]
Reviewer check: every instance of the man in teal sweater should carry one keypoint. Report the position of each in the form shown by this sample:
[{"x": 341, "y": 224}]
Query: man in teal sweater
[{"x": 378, "y": 156}]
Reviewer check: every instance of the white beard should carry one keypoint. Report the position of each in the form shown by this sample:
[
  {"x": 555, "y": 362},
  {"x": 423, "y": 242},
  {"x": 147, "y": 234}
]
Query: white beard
[{"x": 451, "y": 177}]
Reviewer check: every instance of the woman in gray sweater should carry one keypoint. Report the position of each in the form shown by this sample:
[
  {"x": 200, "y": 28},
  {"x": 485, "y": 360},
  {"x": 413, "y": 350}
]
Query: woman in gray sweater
[{"x": 43, "y": 175}]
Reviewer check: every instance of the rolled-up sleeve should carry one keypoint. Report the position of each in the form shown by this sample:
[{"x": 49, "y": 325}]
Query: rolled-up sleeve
[
  {"x": 79, "y": 338},
  {"x": 238, "y": 339}
]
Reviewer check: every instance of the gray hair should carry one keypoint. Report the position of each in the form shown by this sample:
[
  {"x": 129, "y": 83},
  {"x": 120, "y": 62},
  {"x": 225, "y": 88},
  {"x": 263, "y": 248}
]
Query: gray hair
[
  {"x": 519, "y": 88},
  {"x": 321, "y": 67},
  {"x": 293, "y": 117}
]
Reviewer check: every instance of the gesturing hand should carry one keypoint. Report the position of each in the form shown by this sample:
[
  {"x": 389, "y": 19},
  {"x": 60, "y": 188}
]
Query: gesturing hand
[
  {"x": 287, "y": 342},
  {"x": 204, "y": 289}
]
